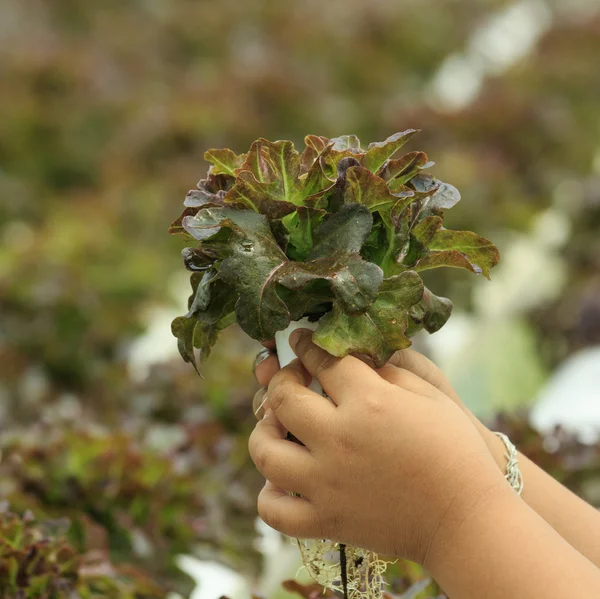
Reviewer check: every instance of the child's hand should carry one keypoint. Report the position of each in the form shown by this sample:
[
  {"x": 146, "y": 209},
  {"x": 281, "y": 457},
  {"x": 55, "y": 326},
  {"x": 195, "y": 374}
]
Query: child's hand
[
  {"x": 392, "y": 467},
  {"x": 266, "y": 365}
]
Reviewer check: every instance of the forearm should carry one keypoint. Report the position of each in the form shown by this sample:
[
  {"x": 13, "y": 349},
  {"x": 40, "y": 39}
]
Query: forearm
[
  {"x": 503, "y": 548},
  {"x": 571, "y": 517}
]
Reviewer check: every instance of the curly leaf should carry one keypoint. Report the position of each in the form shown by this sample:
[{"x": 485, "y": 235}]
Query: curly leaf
[
  {"x": 205, "y": 223},
  {"x": 199, "y": 259},
  {"x": 405, "y": 168},
  {"x": 224, "y": 161},
  {"x": 445, "y": 197},
  {"x": 380, "y": 331},
  {"x": 391, "y": 245},
  {"x": 379, "y": 152},
  {"x": 252, "y": 270},
  {"x": 460, "y": 249},
  {"x": 264, "y": 198},
  {"x": 211, "y": 299},
  {"x": 425, "y": 230},
  {"x": 442, "y": 195},
  {"x": 275, "y": 162},
  {"x": 196, "y": 198},
  {"x": 183, "y": 329},
  {"x": 193, "y": 333},
  {"x": 431, "y": 313},
  {"x": 300, "y": 226},
  {"x": 315, "y": 180},
  {"x": 353, "y": 281},
  {"x": 253, "y": 259},
  {"x": 210, "y": 310},
  {"x": 342, "y": 233},
  {"x": 200, "y": 297},
  {"x": 363, "y": 187},
  {"x": 209, "y": 191},
  {"x": 176, "y": 227},
  {"x": 315, "y": 145},
  {"x": 421, "y": 235},
  {"x": 346, "y": 142}
]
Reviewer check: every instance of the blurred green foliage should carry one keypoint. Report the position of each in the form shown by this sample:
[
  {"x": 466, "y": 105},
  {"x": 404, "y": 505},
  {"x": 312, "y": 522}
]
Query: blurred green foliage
[
  {"x": 36, "y": 560},
  {"x": 106, "y": 111}
]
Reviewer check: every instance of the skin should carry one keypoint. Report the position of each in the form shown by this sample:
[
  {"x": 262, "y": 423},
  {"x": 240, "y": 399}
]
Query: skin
[{"x": 404, "y": 422}]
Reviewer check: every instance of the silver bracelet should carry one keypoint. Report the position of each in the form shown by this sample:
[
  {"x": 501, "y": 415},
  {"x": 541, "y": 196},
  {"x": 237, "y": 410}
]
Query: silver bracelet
[{"x": 513, "y": 473}]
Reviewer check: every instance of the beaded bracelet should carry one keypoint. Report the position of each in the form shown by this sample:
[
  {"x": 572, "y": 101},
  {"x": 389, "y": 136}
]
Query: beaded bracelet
[{"x": 513, "y": 473}]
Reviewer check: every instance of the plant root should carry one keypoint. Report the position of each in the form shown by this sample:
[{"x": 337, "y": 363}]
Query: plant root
[{"x": 363, "y": 578}]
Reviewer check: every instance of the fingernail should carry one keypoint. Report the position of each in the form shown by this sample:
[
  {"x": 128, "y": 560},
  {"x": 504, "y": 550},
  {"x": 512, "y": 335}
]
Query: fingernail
[
  {"x": 261, "y": 398},
  {"x": 296, "y": 336},
  {"x": 261, "y": 356},
  {"x": 267, "y": 413}
]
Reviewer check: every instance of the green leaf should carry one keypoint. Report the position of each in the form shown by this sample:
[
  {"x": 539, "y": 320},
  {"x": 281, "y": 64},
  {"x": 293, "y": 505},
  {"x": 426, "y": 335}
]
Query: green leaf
[
  {"x": 346, "y": 142},
  {"x": 312, "y": 301},
  {"x": 210, "y": 310},
  {"x": 300, "y": 225},
  {"x": 316, "y": 180},
  {"x": 460, "y": 249},
  {"x": 254, "y": 258},
  {"x": 212, "y": 299},
  {"x": 353, "y": 281},
  {"x": 379, "y": 152},
  {"x": 380, "y": 331},
  {"x": 252, "y": 270},
  {"x": 363, "y": 187},
  {"x": 391, "y": 246},
  {"x": 280, "y": 233},
  {"x": 205, "y": 334},
  {"x": 272, "y": 170},
  {"x": 431, "y": 313},
  {"x": 419, "y": 192},
  {"x": 420, "y": 237},
  {"x": 201, "y": 292},
  {"x": 331, "y": 163},
  {"x": 442, "y": 195},
  {"x": 199, "y": 259},
  {"x": 315, "y": 145},
  {"x": 344, "y": 232},
  {"x": 224, "y": 161},
  {"x": 176, "y": 227},
  {"x": 264, "y": 198},
  {"x": 445, "y": 197},
  {"x": 405, "y": 168},
  {"x": 275, "y": 162},
  {"x": 205, "y": 223},
  {"x": 425, "y": 230},
  {"x": 183, "y": 329},
  {"x": 209, "y": 191},
  {"x": 424, "y": 183}
]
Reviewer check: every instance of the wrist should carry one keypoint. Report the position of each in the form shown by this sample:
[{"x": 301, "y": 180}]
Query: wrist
[
  {"x": 493, "y": 443},
  {"x": 496, "y": 447},
  {"x": 490, "y": 501}
]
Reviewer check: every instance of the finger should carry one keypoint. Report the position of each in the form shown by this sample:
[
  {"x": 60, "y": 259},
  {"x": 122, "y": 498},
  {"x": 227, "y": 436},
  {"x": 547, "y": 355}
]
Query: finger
[
  {"x": 407, "y": 361},
  {"x": 293, "y": 516},
  {"x": 286, "y": 464},
  {"x": 424, "y": 368},
  {"x": 304, "y": 413},
  {"x": 340, "y": 378},
  {"x": 269, "y": 344},
  {"x": 266, "y": 369},
  {"x": 430, "y": 372},
  {"x": 401, "y": 377}
]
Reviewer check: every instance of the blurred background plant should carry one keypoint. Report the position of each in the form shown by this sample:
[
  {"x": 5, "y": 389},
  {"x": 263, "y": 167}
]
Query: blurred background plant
[{"x": 106, "y": 111}]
